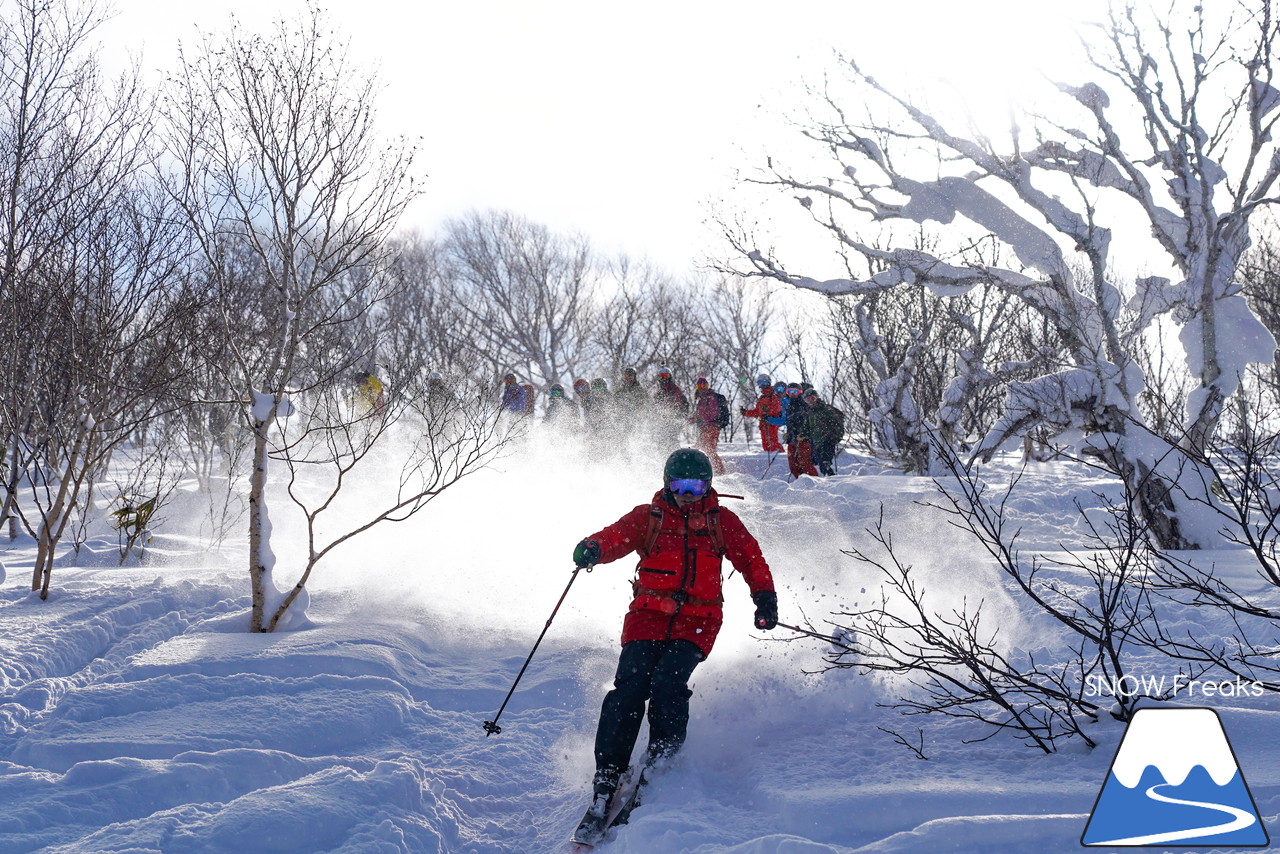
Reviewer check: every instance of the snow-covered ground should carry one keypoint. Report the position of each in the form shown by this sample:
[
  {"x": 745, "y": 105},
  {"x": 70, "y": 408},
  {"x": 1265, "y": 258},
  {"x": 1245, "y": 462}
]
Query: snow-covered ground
[{"x": 137, "y": 715}]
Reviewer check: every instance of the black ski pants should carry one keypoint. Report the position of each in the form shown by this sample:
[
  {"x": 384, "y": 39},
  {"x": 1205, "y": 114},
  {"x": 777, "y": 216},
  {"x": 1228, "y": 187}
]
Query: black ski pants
[{"x": 652, "y": 671}]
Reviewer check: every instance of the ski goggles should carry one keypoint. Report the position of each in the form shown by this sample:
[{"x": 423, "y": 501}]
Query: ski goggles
[
  {"x": 689, "y": 486},
  {"x": 557, "y": 392},
  {"x": 702, "y": 385},
  {"x": 664, "y": 376}
]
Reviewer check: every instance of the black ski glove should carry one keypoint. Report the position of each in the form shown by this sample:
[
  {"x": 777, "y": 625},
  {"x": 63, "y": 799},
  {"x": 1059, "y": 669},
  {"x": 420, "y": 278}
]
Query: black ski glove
[
  {"x": 586, "y": 553},
  {"x": 766, "y": 609}
]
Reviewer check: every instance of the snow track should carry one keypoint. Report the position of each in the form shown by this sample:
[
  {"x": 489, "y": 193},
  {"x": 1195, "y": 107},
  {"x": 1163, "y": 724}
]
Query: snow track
[
  {"x": 138, "y": 716},
  {"x": 86, "y": 633}
]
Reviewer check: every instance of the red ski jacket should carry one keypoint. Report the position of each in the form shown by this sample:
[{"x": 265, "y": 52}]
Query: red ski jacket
[
  {"x": 677, "y": 588},
  {"x": 768, "y": 406}
]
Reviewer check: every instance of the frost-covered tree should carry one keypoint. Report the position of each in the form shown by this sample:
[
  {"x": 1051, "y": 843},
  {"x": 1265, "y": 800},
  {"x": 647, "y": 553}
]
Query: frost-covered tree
[
  {"x": 1260, "y": 275},
  {"x": 1176, "y": 129}
]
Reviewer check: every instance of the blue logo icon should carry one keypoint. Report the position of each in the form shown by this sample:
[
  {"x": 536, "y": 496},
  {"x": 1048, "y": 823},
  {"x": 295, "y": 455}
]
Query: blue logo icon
[{"x": 1175, "y": 781}]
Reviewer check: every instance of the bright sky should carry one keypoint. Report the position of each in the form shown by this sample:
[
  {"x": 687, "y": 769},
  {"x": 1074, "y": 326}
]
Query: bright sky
[{"x": 592, "y": 116}]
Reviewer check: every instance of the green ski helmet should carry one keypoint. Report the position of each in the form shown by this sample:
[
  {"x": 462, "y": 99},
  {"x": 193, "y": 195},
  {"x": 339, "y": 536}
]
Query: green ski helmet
[{"x": 687, "y": 464}]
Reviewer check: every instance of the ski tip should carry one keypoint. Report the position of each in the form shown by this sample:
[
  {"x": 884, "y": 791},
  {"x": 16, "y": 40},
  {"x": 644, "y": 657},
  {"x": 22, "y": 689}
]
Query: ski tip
[{"x": 576, "y": 847}]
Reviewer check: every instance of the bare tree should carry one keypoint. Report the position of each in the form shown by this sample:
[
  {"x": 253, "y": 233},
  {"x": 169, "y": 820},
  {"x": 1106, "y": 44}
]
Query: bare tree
[
  {"x": 150, "y": 479},
  {"x": 736, "y": 315},
  {"x": 121, "y": 347},
  {"x": 1202, "y": 163},
  {"x": 631, "y": 326},
  {"x": 67, "y": 139},
  {"x": 527, "y": 288},
  {"x": 292, "y": 199},
  {"x": 499, "y": 293},
  {"x": 89, "y": 279},
  {"x": 425, "y": 324},
  {"x": 429, "y": 447},
  {"x": 1099, "y": 598}
]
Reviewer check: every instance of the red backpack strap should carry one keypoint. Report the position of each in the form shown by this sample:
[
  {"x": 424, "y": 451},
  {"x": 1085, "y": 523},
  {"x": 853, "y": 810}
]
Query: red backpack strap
[
  {"x": 655, "y": 525},
  {"x": 714, "y": 529}
]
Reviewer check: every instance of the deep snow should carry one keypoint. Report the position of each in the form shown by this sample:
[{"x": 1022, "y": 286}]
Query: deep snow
[{"x": 136, "y": 714}]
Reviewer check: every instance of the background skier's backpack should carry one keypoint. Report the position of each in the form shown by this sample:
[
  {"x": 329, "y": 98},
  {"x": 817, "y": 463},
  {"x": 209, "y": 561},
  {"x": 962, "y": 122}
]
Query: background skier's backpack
[
  {"x": 722, "y": 417},
  {"x": 833, "y": 423}
]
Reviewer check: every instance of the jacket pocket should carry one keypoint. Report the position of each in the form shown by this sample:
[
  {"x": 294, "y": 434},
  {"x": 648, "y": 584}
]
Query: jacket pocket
[{"x": 649, "y": 602}]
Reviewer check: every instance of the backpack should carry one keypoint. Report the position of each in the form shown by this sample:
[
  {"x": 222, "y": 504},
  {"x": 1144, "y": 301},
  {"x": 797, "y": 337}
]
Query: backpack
[
  {"x": 529, "y": 394},
  {"x": 831, "y": 423},
  {"x": 722, "y": 417},
  {"x": 655, "y": 525}
]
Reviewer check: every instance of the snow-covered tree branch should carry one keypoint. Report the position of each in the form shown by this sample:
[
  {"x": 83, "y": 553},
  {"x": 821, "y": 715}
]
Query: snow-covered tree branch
[{"x": 1176, "y": 130}]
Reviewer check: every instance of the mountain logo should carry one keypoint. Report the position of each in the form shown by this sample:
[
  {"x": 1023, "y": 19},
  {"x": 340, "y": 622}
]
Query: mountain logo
[{"x": 1175, "y": 780}]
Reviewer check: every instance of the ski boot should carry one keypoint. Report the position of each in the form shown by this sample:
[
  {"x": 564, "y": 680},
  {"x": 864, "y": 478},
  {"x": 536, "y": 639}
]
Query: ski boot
[{"x": 595, "y": 822}]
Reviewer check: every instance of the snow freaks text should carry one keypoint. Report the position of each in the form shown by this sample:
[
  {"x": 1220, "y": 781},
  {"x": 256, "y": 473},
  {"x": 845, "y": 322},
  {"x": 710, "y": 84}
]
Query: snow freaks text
[{"x": 1169, "y": 687}]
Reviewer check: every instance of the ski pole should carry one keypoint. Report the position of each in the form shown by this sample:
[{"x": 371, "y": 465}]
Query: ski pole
[
  {"x": 828, "y": 638},
  {"x": 772, "y": 457},
  {"x": 491, "y": 727}
]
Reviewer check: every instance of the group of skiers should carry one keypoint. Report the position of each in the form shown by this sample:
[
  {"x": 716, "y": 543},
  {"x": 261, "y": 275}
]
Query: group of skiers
[
  {"x": 438, "y": 402},
  {"x": 599, "y": 411},
  {"x": 790, "y": 414},
  {"x": 813, "y": 426}
]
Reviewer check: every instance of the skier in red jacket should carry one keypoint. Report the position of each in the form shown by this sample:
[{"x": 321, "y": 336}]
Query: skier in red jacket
[
  {"x": 768, "y": 409},
  {"x": 674, "y": 617}
]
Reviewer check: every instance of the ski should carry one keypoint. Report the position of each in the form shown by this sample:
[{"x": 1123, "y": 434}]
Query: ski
[
  {"x": 597, "y": 822},
  {"x": 599, "y": 818},
  {"x": 592, "y": 828},
  {"x": 631, "y": 800}
]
